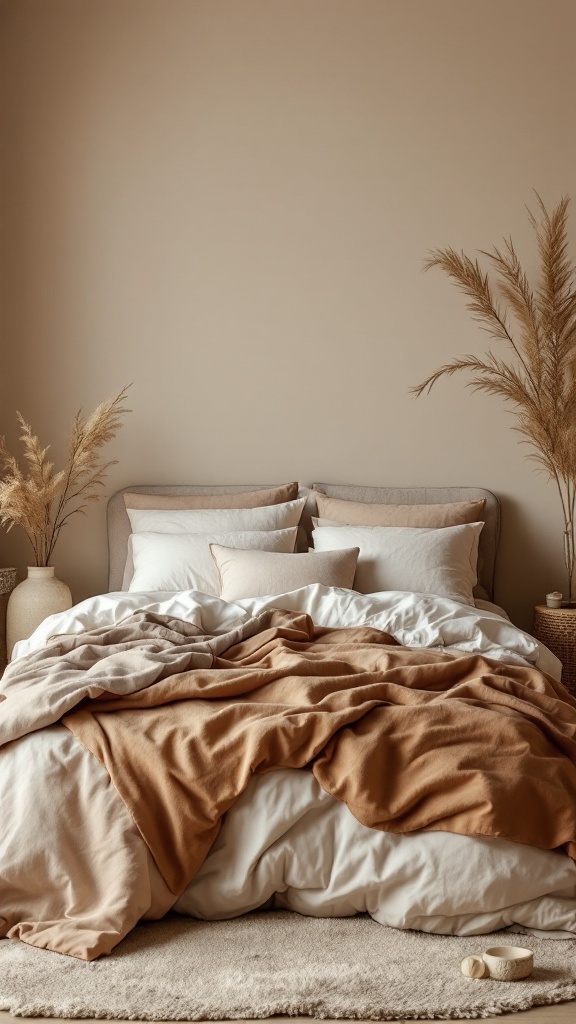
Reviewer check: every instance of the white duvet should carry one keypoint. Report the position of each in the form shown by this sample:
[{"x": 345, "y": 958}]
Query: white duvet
[{"x": 287, "y": 843}]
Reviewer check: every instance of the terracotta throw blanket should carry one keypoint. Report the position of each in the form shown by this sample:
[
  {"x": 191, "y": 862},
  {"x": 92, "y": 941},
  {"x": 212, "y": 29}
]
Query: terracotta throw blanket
[{"x": 408, "y": 739}]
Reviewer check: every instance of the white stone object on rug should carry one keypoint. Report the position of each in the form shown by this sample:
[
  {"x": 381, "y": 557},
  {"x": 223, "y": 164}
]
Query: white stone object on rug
[{"x": 474, "y": 967}]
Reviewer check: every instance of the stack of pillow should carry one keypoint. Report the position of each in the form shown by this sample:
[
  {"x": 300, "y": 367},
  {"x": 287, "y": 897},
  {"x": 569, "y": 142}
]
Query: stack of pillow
[
  {"x": 431, "y": 549},
  {"x": 227, "y": 545},
  {"x": 244, "y": 544}
]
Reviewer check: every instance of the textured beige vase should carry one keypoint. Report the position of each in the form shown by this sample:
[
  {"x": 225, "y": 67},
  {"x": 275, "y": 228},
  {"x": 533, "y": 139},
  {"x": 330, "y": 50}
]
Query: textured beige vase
[{"x": 38, "y": 596}]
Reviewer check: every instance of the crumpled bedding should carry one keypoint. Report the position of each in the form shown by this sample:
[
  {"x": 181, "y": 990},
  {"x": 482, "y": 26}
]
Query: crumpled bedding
[
  {"x": 287, "y": 844},
  {"x": 415, "y": 620},
  {"x": 72, "y": 862},
  {"x": 550, "y": 907}
]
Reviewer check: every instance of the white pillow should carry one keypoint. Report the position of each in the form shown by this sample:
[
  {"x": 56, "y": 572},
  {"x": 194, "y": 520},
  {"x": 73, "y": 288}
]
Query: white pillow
[
  {"x": 439, "y": 561},
  {"x": 182, "y": 561},
  {"x": 216, "y": 520},
  {"x": 256, "y": 573}
]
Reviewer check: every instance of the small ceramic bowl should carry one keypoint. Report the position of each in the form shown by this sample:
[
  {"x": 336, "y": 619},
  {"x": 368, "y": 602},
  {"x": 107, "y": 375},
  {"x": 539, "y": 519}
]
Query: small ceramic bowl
[{"x": 509, "y": 963}]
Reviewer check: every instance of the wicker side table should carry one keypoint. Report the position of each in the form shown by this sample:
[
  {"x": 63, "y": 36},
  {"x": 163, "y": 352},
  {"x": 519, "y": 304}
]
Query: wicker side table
[
  {"x": 7, "y": 584},
  {"x": 556, "y": 628}
]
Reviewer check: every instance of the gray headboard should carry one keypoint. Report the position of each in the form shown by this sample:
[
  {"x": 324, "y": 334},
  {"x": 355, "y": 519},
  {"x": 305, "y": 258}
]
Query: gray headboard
[{"x": 119, "y": 524}]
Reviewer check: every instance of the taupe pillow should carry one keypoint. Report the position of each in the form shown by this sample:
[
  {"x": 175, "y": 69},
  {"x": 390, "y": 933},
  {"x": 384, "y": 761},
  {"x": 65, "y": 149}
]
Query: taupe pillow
[
  {"x": 360, "y": 513},
  {"x": 241, "y": 499},
  {"x": 256, "y": 573}
]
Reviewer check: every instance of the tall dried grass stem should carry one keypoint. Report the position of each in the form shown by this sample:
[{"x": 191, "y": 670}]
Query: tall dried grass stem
[
  {"x": 40, "y": 500},
  {"x": 538, "y": 324}
]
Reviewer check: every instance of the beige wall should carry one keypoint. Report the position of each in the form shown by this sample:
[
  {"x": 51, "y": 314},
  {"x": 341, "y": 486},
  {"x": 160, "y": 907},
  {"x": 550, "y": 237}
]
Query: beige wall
[{"x": 228, "y": 202}]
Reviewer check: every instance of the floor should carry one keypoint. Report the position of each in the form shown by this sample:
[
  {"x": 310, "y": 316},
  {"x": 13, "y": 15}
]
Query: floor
[{"x": 563, "y": 1013}]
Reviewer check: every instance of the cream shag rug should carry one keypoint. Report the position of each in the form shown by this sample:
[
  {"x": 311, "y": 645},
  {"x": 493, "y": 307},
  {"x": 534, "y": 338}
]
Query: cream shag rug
[{"x": 279, "y": 963}]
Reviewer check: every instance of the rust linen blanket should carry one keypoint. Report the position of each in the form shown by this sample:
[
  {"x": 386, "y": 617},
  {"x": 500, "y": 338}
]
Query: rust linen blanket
[{"x": 408, "y": 739}]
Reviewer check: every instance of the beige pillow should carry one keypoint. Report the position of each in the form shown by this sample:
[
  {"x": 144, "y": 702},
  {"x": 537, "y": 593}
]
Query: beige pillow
[
  {"x": 256, "y": 573},
  {"x": 360, "y": 513},
  {"x": 242, "y": 499}
]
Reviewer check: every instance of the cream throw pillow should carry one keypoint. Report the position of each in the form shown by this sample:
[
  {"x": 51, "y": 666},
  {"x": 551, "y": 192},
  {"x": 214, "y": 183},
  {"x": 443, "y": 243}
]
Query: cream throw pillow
[
  {"x": 216, "y": 520},
  {"x": 256, "y": 573},
  {"x": 242, "y": 499},
  {"x": 439, "y": 561},
  {"x": 182, "y": 561},
  {"x": 359, "y": 513}
]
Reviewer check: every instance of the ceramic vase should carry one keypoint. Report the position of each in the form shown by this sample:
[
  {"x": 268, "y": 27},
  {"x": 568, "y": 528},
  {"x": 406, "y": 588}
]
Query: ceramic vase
[{"x": 38, "y": 596}]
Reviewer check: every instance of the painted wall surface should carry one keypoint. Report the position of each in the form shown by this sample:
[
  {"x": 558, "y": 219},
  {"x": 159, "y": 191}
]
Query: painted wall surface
[{"x": 228, "y": 202}]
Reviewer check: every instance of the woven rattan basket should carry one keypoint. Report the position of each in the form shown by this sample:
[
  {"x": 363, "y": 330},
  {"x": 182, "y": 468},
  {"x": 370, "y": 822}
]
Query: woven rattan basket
[{"x": 556, "y": 628}]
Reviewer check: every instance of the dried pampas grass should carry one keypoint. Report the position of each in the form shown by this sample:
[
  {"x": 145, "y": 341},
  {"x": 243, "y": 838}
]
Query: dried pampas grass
[
  {"x": 538, "y": 324},
  {"x": 42, "y": 501}
]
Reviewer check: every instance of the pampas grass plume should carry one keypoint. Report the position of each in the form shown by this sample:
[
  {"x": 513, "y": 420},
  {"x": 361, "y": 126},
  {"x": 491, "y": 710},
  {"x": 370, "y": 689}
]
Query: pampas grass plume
[
  {"x": 537, "y": 324},
  {"x": 40, "y": 500}
]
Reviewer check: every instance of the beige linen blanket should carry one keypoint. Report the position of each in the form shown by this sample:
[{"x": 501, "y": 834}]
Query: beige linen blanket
[{"x": 408, "y": 739}]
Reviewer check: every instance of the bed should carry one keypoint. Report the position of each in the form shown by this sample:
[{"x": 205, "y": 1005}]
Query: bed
[{"x": 339, "y": 745}]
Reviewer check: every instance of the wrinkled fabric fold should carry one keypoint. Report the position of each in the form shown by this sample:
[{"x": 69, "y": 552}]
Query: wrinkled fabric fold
[{"x": 408, "y": 739}]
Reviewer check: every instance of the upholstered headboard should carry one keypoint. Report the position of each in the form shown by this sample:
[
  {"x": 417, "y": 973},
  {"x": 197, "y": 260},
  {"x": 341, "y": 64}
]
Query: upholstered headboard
[{"x": 119, "y": 524}]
